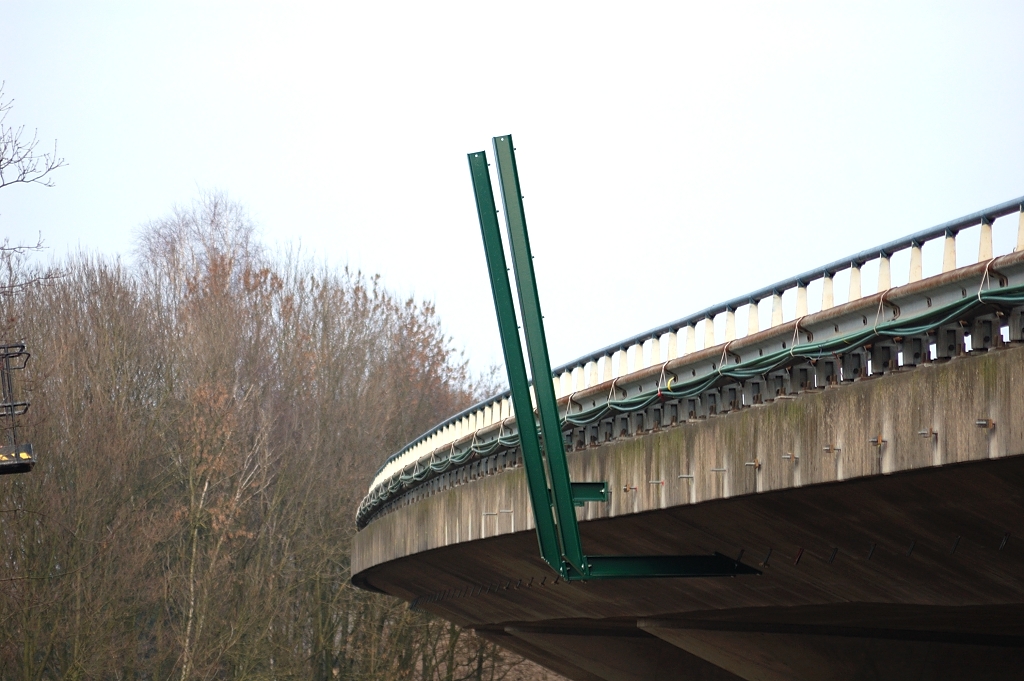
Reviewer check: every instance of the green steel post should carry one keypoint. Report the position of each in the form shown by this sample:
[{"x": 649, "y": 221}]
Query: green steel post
[
  {"x": 557, "y": 527},
  {"x": 516, "y": 367},
  {"x": 537, "y": 350}
]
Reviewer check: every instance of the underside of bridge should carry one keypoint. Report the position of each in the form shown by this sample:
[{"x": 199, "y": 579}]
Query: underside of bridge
[{"x": 886, "y": 518}]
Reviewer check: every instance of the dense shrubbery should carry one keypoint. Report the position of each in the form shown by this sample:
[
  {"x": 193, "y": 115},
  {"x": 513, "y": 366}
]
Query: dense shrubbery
[{"x": 205, "y": 421}]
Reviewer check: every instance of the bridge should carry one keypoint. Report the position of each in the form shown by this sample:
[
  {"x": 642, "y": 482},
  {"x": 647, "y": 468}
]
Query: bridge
[{"x": 862, "y": 463}]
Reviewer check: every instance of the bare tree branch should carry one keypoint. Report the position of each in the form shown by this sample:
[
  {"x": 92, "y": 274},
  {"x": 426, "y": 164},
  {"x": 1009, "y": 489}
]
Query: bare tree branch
[{"x": 20, "y": 162}]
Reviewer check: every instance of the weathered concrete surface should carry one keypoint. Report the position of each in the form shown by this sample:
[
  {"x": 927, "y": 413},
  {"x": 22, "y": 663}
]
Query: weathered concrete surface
[{"x": 899, "y": 561}]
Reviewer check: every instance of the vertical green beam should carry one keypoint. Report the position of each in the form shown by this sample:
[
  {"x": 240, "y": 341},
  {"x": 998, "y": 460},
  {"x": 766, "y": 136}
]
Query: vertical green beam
[
  {"x": 514, "y": 364},
  {"x": 537, "y": 349}
]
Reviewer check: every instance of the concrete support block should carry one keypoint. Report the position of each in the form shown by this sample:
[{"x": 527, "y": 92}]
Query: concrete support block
[
  {"x": 776, "y": 309},
  {"x": 802, "y": 377},
  {"x": 655, "y": 352},
  {"x": 949, "y": 341},
  {"x": 673, "y": 346},
  {"x": 854, "y": 365},
  {"x": 884, "y": 355},
  {"x": 753, "y": 392},
  {"x": 1020, "y": 232},
  {"x": 591, "y": 373},
  {"x": 691, "y": 339},
  {"x": 606, "y": 368},
  {"x": 730, "y": 325},
  {"x": 1015, "y": 320},
  {"x": 779, "y": 384},
  {"x": 732, "y": 398},
  {"x": 710, "y": 403},
  {"x": 915, "y": 350},
  {"x": 753, "y": 323},
  {"x": 801, "y": 301},
  {"x": 985, "y": 333},
  {"x": 826, "y": 372}
]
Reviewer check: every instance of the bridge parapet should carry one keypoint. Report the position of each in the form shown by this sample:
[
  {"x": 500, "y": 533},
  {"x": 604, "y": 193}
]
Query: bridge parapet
[{"x": 659, "y": 378}]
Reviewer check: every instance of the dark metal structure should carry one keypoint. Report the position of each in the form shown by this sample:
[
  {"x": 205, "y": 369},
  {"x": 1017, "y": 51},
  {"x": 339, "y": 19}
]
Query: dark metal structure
[{"x": 15, "y": 456}]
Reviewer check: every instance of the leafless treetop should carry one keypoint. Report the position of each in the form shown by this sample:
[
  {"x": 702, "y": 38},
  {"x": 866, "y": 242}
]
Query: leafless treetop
[{"x": 20, "y": 161}]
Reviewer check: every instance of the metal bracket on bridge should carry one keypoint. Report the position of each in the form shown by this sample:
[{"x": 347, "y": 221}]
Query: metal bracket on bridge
[
  {"x": 583, "y": 492},
  {"x": 553, "y": 507}
]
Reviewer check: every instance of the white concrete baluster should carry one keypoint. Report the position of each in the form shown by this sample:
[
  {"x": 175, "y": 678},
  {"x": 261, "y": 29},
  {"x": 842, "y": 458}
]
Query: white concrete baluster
[
  {"x": 655, "y": 351},
  {"x": 949, "y": 252},
  {"x": 884, "y": 274},
  {"x": 709, "y": 332},
  {"x": 753, "y": 323},
  {"x": 673, "y": 346},
  {"x": 487, "y": 417},
  {"x": 776, "y": 309},
  {"x": 855, "y": 289},
  {"x": 985, "y": 244},
  {"x": 730, "y": 325},
  {"x": 827, "y": 299},
  {"x": 691, "y": 339},
  {"x": 801, "y": 300},
  {"x": 1020, "y": 231},
  {"x": 577, "y": 379},
  {"x": 533, "y": 398},
  {"x": 916, "y": 268},
  {"x": 557, "y": 382},
  {"x": 606, "y": 373},
  {"x": 591, "y": 372},
  {"x": 505, "y": 408},
  {"x": 622, "y": 366},
  {"x": 638, "y": 356}
]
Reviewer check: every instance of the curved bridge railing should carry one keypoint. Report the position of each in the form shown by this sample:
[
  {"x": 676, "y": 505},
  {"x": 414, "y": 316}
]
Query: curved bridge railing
[{"x": 659, "y": 377}]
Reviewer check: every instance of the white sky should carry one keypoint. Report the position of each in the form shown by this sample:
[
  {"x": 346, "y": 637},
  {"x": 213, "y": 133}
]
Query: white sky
[{"x": 672, "y": 155}]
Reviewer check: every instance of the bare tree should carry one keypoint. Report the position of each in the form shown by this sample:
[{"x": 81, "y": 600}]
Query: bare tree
[
  {"x": 20, "y": 161},
  {"x": 211, "y": 417}
]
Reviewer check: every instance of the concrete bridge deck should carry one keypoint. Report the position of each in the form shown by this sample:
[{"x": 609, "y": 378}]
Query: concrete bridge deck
[{"x": 910, "y": 555}]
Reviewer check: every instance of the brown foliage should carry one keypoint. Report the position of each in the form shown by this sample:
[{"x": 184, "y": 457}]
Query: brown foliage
[{"x": 205, "y": 422}]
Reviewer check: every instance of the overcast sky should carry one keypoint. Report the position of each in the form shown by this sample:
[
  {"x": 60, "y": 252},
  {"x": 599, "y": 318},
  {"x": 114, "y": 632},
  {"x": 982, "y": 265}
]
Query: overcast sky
[{"x": 672, "y": 155}]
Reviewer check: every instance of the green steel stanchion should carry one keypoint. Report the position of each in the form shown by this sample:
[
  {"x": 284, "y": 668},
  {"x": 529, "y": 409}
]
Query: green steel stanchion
[
  {"x": 514, "y": 364},
  {"x": 557, "y": 527}
]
